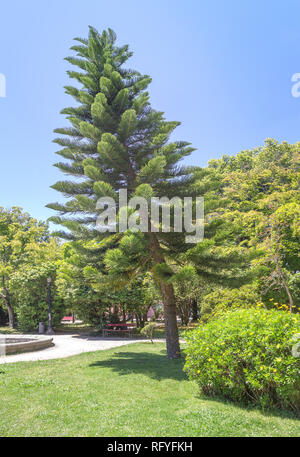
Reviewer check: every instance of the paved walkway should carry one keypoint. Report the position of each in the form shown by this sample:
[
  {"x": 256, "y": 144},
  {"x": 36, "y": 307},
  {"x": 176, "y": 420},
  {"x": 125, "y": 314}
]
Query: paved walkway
[{"x": 67, "y": 345}]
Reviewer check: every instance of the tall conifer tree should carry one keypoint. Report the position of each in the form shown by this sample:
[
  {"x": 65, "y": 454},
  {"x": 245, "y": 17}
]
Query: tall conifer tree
[{"x": 116, "y": 140}]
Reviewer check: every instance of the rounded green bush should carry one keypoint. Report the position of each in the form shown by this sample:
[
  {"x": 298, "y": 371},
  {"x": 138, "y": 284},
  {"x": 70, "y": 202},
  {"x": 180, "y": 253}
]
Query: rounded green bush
[{"x": 248, "y": 355}]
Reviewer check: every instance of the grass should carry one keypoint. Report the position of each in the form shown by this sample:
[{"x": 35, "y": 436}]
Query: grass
[
  {"x": 129, "y": 391},
  {"x": 159, "y": 332},
  {"x": 7, "y": 330},
  {"x": 75, "y": 328}
]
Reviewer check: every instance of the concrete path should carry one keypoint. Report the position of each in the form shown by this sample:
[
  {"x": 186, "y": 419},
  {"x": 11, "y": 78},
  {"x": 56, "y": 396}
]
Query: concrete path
[{"x": 67, "y": 345}]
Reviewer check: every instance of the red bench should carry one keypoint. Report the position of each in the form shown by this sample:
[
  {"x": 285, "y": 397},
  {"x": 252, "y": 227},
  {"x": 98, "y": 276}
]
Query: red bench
[
  {"x": 118, "y": 330},
  {"x": 67, "y": 319}
]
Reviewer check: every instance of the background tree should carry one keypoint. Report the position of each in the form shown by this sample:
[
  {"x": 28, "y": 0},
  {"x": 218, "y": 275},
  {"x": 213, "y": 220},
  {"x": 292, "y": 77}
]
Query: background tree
[
  {"x": 77, "y": 272},
  {"x": 18, "y": 231},
  {"x": 33, "y": 287},
  {"x": 252, "y": 212}
]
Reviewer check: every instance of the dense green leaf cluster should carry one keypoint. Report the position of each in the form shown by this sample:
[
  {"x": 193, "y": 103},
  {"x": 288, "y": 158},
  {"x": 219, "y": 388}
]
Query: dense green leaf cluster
[{"x": 246, "y": 356}]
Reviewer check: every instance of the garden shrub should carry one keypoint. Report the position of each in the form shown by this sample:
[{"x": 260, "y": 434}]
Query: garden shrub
[
  {"x": 30, "y": 314},
  {"x": 246, "y": 355},
  {"x": 148, "y": 330}
]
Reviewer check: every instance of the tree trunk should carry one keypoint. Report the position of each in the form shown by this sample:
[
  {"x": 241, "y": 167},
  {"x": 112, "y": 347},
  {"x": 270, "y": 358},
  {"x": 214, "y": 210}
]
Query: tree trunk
[
  {"x": 11, "y": 316},
  {"x": 137, "y": 320},
  {"x": 6, "y": 298},
  {"x": 172, "y": 337},
  {"x": 171, "y": 329},
  {"x": 180, "y": 314},
  {"x": 140, "y": 319},
  {"x": 186, "y": 320},
  {"x": 291, "y": 301},
  {"x": 277, "y": 261},
  {"x": 284, "y": 283},
  {"x": 194, "y": 311},
  {"x": 49, "y": 302}
]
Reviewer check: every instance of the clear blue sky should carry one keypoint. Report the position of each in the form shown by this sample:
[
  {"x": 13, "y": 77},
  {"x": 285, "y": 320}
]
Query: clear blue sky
[{"x": 221, "y": 67}]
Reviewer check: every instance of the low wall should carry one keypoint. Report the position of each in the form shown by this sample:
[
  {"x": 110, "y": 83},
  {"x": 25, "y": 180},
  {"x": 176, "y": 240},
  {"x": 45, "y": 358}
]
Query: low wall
[{"x": 29, "y": 343}]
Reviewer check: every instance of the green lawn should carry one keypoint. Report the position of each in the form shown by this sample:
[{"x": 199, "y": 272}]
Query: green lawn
[
  {"x": 129, "y": 391},
  {"x": 75, "y": 328},
  {"x": 7, "y": 330}
]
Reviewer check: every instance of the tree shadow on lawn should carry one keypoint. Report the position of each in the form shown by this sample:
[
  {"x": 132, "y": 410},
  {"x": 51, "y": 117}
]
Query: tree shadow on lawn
[
  {"x": 158, "y": 367},
  {"x": 154, "y": 365}
]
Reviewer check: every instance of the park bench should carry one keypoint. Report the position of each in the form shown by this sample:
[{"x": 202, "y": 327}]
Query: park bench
[
  {"x": 67, "y": 319},
  {"x": 118, "y": 330}
]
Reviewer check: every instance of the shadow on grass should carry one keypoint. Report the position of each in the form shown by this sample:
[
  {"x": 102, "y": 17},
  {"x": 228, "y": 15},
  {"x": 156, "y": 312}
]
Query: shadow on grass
[
  {"x": 157, "y": 367},
  {"x": 154, "y": 365},
  {"x": 267, "y": 412}
]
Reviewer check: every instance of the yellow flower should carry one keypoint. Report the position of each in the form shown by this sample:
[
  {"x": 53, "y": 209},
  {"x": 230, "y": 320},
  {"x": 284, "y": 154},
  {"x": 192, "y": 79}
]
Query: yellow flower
[
  {"x": 274, "y": 369},
  {"x": 209, "y": 360},
  {"x": 261, "y": 367},
  {"x": 198, "y": 371},
  {"x": 278, "y": 346},
  {"x": 278, "y": 359}
]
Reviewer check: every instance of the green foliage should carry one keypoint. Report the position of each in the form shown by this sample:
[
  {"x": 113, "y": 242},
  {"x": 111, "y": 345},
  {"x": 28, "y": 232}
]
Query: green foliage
[
  {"x": 224, "y": 299},
  {"x": 29, "y": 287},
  {"x": 24, "y": 244},
  {"x": 188, "y": 288},
  {"x": 134, "y": 297},
  {"x": 252, "y": 204},
  {"x": 90, "y": 293},
  {"x": 148, "y": 330},
  {"x": 127, "y": 141},
  {"x": 251, "y": 248},
  {"x": 77, "y": 280},
  {"x": 30, "y": 312},
  {"x": 246, "y": 356},
  {"x": 163, "y": 271}
]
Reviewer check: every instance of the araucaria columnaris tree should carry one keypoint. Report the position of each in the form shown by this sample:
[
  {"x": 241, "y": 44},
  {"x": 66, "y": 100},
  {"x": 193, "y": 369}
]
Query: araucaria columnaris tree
[{"x": 117, "y": 141}]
